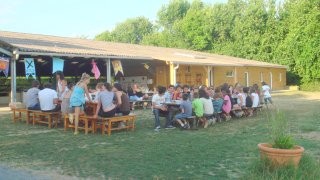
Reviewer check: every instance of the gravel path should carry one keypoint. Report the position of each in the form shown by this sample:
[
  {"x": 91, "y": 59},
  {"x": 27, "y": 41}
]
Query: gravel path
[{"x": 8, "y": 173}]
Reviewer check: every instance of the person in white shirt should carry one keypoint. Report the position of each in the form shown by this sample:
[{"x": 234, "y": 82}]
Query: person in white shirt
[
  {"x": 160, "y": 109},
  {"x": 266, "y": 93},
  {"x": 255, "y": 98},
  {"x": 48, "y": 99}
]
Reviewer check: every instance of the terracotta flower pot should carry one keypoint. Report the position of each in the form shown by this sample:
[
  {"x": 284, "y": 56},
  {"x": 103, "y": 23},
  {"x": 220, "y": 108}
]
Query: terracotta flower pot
[{"x": 281, "y": 157}]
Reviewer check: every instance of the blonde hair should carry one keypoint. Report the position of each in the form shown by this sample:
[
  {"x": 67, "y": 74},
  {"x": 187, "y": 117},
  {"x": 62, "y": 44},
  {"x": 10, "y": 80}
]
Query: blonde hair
[{"x": 84, "y": 77}]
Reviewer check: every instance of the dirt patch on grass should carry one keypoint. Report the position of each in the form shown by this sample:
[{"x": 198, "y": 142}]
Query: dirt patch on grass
[{"x": 312, "y": 135}]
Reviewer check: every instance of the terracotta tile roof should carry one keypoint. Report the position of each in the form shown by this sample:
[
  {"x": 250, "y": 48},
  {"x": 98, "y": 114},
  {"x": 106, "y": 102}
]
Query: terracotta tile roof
[{"x": 63, "y": 46}]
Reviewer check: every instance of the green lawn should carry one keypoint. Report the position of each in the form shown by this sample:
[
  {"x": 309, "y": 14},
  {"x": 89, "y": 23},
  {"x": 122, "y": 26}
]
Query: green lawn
[{"x": 228, "y": 150}]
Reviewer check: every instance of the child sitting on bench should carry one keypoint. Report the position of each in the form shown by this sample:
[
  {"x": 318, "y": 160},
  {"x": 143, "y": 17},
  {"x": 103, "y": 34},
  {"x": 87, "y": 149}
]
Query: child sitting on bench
[{"x": 186, "y": 111}]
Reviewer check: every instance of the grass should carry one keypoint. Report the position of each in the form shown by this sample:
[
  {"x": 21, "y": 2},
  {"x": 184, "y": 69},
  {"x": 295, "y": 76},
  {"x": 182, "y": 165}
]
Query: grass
[{"x": 227, "y": 150}]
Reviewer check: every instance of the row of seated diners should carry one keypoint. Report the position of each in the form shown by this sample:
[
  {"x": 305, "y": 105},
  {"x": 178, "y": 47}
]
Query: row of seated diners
[{"x": 45, "y": 107}]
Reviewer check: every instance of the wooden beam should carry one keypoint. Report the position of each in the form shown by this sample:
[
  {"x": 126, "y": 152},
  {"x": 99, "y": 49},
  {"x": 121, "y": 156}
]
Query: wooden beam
[
  {"x": 6, "y": 52},
  {"x": 82, "y": 55}
]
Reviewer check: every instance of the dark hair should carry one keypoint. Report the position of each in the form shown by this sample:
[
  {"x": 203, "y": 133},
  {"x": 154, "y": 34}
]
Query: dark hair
[
  {"x": 170, "y": 86},
  {"x": 217, "y": 90},
  {"x": 161, "y": 89},
  {"x": 47, "y": 85},
  {"x": 263, "y": 83},
  {"x": 203, "y": 94},
  {"x": 246, "y": 90},
  {"x": 35, "y": 83},
  {"x": 185, "y": 96},
  {"x": 61, "y": 75},
  {"x": 117, "y": 86},
  {"x": 70, "y": 85},
  {"x": 186, "y": 86},
  {"x": 195, "y": 95},
  {"x": 178, "y": 86},
  {"x": 108, "y": 86},
  {"x": 252, "y": 90}
]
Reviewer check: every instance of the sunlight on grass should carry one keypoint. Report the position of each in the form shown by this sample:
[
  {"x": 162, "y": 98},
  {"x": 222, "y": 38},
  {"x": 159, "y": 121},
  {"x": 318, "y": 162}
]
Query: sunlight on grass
[{"x": 224, "y": 151}]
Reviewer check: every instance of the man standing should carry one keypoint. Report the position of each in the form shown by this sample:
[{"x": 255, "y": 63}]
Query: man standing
[{"x": 48, "y": 99}]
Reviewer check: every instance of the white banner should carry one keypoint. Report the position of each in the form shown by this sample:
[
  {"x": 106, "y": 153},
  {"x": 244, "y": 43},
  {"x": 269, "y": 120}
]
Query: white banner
[{"x": 30, "y": 67}]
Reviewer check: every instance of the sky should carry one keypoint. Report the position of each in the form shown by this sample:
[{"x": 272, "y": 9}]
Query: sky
[{"x": 74, "y": 18}]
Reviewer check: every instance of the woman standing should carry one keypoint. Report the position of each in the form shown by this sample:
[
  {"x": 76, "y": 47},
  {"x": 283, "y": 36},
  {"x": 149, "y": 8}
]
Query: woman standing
[
  {"x": 61, "y": 83},
  {"x": 77, "y": 99}
]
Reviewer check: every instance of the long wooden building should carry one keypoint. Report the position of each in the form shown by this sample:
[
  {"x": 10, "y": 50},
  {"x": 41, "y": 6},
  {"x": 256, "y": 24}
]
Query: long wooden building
[{"x": 163, "y": 66}]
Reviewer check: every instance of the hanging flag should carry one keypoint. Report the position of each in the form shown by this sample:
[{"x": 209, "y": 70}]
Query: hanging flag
[
  {"x": 95, "y": 70},
  {"x": 57, "y": 64},
  {"x": 117, "y": 67},
  {"x": 4, "y": 65},
  {"x": 146, "y": 66},
  {"x": 29, "y": 67}
]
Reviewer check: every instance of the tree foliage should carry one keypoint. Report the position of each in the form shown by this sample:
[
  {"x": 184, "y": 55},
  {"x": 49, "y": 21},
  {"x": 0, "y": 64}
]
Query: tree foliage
[
  {"x": 130, "y": 31},
  {"x": 285, "y": 32}
]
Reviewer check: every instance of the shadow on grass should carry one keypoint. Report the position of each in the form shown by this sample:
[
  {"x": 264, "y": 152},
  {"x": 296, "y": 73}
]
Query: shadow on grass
[{"x": 308, "y": 169}]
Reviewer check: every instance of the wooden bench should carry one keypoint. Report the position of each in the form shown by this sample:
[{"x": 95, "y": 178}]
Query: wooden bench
[
  {"x": 90, "y": 123},
  {"x": 17, "y": 114},
  {"x": 111, "y": 123},
  {"x": 46, "y": 118}
]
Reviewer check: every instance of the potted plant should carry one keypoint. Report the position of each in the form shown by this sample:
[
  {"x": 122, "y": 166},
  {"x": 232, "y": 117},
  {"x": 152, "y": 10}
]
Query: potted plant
[{"x": 282, "y": 151}]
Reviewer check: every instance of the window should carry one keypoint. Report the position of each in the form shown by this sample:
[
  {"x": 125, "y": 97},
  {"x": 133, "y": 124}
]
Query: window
[
  {"x": 261, "y": 76},
  {"x": 280, "y": 77},
  {"x": 229, "y": 73}
]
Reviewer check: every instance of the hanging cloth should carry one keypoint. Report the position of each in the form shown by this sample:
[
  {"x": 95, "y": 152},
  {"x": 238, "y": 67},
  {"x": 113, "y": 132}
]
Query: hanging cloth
[
  {"x": 95, "y": 70},
  {"x": 57, "y": 64},
  {"x": 4, "y": 65}
]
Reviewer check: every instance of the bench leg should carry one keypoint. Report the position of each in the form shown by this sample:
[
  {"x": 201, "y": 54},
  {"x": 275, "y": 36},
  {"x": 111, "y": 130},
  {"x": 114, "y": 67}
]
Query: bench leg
[
  {"x": 33, "y": 119},
  {"x": 49, "y": 121},
  {"x": 86, "y": 126},
  {"x": 109, "y": 127},
  {"x": 13, "y": 115},
  {"x": 103, "y": 127}
]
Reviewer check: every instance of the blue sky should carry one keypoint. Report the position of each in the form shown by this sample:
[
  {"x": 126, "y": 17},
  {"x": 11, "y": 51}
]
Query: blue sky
[{"x": 73, "y": 18}]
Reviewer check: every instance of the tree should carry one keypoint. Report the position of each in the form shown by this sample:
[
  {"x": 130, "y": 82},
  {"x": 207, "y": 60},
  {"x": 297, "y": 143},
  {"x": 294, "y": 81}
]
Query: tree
[
  {"x": 130, "y": 31},
  {"x": 172, "y": 12}
]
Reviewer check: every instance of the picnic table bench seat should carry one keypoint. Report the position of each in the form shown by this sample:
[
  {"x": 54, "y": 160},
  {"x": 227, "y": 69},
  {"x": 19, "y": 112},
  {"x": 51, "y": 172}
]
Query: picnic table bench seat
[
  {"x": 50, "y": 118},
  {"x": 111, "y": 123},
  {"x": 88, "y": 121}
]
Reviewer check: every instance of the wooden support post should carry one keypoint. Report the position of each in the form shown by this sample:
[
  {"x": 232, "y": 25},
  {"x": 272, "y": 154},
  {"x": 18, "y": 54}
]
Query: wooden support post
[{"x": 108, "y": 66}]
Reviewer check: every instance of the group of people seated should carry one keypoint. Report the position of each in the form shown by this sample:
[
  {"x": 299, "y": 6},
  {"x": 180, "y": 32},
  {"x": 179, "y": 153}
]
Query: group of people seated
[
  {"x": 205, "y": 103},
  {"x": 178, "y": 103},
  {"x": 70, "y": 98}
]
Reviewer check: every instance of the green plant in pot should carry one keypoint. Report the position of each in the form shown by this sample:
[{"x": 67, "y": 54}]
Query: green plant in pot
[{"x": 282, "y": 151}]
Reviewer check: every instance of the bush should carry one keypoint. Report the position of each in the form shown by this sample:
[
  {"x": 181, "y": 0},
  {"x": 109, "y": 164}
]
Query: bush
[
  {"x": 310, "y": 86},
  {"x": 279, "y": 131},
  {"x": 293, "y": 79}
]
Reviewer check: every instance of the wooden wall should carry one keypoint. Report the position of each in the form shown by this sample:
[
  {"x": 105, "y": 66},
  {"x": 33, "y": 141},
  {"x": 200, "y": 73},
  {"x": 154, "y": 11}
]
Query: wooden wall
[{"x": 198, "y": 75}]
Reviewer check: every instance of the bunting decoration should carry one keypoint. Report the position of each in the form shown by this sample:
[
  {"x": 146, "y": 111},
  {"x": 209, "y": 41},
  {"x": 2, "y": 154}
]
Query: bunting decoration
[
  {"x": 95, "y": 70},
  {"x": 57, "y": 64},
  {"x": 117, "y": 67},
  {"x": 30, "y": 67},
  {"x": 4, "y": 65}
]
